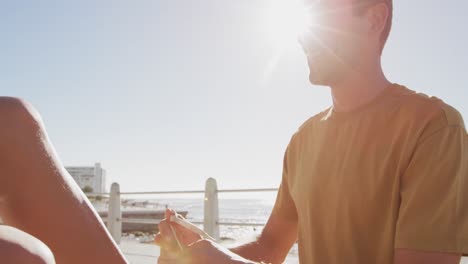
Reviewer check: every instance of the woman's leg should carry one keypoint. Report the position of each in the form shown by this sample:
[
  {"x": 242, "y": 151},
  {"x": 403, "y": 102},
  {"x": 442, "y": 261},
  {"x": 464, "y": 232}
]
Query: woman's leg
[
  {"x": 17, "y": 247},
  {"x": 38, "y": 196}
]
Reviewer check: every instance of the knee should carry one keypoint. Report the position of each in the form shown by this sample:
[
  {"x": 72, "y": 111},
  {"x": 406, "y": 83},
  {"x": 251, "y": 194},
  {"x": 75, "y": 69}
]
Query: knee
[
  {"x": 19, "y": 247},
  {"x": 17, "y": 115}
]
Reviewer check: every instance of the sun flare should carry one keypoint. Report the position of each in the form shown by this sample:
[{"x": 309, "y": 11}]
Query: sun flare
[{"x": 285, "y": 21}]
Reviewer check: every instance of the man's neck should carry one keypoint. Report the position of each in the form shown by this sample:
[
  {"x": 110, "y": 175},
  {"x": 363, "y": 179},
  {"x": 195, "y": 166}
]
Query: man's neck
[{"x": 359, "y": 89}]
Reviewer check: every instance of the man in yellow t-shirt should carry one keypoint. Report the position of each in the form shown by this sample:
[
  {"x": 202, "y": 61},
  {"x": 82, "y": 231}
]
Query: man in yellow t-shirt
[{"x": 379, "y": 177}]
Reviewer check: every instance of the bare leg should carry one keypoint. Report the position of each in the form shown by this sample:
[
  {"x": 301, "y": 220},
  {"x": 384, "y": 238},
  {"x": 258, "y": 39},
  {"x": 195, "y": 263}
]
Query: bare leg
[
  {"x": 38, "y": 196},
  {"x": 17, "y": 247}
]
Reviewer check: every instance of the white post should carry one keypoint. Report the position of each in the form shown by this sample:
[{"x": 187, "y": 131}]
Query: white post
[
  {"x": 114, "y": 217},
  {"x": 211, "y": 217}
]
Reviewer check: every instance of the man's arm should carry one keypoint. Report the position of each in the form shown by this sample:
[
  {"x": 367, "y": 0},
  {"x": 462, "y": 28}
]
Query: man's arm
[
  {"x": 280, "y": 232},
  {"x": 271, "y": 247},
  {"x": 409, "y": 256},
  {"x": 274, "y": 243}
]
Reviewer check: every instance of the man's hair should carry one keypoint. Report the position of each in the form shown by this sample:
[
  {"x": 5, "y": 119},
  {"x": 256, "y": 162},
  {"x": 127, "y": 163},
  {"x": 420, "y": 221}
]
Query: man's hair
[{"x": 361, "y": 8}]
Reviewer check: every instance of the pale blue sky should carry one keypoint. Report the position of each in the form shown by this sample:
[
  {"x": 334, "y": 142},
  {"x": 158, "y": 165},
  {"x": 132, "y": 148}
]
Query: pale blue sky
[{"x": 166, "y": 93}]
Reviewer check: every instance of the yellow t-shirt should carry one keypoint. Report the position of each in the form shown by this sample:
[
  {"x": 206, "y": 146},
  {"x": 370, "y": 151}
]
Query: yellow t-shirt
[{"x": 391, "y": 174}]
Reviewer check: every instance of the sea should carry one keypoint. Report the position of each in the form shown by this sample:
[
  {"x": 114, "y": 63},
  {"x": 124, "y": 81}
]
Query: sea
[
  {"x": 240, "y": 211},
  {"x": 230, "y": 210}
]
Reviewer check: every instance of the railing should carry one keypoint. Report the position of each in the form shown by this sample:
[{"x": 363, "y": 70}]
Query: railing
[{"x": 210, "y": 221}]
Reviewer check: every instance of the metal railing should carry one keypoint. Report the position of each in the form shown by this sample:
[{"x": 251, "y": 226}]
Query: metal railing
[{"x": 210, "y": 221}]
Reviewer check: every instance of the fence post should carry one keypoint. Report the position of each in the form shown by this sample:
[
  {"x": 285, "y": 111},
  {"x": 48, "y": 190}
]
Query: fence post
[
  {"x": 114, "y": 217},
  {"x": 211, "y": 213}
]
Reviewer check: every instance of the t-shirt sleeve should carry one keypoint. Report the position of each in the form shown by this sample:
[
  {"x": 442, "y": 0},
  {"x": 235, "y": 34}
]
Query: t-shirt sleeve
[
  {"x": 433, "y": 213},
  {"x": 284, "y": 205}
]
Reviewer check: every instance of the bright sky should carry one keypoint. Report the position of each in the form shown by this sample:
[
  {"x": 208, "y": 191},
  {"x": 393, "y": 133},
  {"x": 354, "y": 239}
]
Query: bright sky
[{"x": 166, "y": 93}]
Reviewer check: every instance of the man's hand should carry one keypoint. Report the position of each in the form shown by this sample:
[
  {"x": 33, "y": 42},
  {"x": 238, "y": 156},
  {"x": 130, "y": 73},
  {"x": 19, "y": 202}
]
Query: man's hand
[{"x": 207, "y": 252}]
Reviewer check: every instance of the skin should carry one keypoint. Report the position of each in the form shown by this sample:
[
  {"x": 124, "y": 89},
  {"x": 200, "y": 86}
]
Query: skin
[
  {"x": 343, "y": 53},
  {"x": 38, "y": 197},
  {"x": 17, "y": 246}
]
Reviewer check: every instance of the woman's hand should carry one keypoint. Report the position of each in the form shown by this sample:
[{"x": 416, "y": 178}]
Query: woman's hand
[
  {"x": 190, "y": 248},
  {"x": 165, "y": 237}
]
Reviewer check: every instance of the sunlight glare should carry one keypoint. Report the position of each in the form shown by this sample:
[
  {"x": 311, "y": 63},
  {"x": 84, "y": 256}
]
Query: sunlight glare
[{"x": 285, "y": 21}]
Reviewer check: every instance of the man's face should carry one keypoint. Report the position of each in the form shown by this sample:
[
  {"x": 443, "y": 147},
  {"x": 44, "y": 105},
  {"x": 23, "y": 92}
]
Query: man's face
[{"x": 336, "y": 43}]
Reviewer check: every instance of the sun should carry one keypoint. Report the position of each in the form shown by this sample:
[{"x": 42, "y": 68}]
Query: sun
[{"x": 285, "y": 21}]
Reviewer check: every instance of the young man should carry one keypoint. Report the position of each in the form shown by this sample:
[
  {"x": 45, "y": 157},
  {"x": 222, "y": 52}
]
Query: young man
[
  {"x": 47, "y": 218},
  {"x": 379, "y": 177}
]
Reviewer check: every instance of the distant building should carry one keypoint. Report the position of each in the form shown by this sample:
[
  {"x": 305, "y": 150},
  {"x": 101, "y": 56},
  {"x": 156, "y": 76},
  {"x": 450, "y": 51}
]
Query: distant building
[{"x": 90, "y": 179}]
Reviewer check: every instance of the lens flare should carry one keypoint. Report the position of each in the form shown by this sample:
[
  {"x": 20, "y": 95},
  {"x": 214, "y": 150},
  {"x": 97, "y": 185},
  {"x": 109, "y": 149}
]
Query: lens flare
[{"x": 285, "y": 21}]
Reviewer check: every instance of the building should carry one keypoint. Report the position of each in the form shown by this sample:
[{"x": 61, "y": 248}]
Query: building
[{"x": 90, "y": 179}]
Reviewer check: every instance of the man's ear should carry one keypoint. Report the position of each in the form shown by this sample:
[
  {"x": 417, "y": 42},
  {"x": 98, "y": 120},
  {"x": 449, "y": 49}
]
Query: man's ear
[{"x": 377, "y": 16}]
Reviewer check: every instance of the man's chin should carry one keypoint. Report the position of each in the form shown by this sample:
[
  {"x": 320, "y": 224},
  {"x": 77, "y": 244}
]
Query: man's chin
[{"x": 315, "y": 79}]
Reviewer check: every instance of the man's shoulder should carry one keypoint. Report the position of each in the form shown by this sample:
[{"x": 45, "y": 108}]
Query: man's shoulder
[
  {"x": 314, "y": 119},
  {"x": 428, "y": 113},
  {"x": 428, "y": 109},
  {"x": 304, "y": 129},
  {"x": 414, "y": 101}
]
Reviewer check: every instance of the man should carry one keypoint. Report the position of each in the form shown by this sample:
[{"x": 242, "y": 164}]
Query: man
[
  {"x": 47, "y": 218},
  {"x": 379, "y": 177}
]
